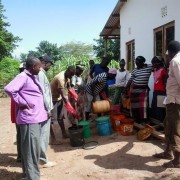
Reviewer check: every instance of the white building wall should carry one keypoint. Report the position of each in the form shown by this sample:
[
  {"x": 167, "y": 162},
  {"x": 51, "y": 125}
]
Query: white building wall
[{"x": 138, "y": 18}]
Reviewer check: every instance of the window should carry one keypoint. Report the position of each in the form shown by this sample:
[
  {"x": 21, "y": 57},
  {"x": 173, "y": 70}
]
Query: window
[
  {"x": 130, "y": 56},
  {"x": 162, "y": 36}
]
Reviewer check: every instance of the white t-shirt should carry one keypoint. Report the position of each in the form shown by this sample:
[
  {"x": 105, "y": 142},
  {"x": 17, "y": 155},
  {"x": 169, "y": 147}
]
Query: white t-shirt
[{"x": 122, "y": 78}]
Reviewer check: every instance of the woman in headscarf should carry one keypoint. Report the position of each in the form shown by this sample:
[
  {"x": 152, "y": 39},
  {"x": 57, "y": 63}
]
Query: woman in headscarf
[
  {"x": 160, "y": 78},
  {"x": 139, "y": 90}
]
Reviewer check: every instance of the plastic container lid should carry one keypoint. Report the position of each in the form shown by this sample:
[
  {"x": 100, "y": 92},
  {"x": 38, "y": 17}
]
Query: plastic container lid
[
  {"x": 102, "y": 119},
  {"x": 90, "y": 145},
  {"x": 84, "y": 123}
]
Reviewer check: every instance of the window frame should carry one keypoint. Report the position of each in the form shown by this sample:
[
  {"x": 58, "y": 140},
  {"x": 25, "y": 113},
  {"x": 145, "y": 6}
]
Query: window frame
[
  {"x": 163, "y": 29},
  {"x": 132, "y": 54}
]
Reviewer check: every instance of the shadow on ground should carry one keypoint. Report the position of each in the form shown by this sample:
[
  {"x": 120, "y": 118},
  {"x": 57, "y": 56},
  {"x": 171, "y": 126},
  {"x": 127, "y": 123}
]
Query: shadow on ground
[
  {"x": 123, "y": 160},
  {"x": 8, "y": 161}
]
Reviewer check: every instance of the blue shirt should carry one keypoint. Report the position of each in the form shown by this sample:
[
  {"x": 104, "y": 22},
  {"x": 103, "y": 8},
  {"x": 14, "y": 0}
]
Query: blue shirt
[{"x": 98, "y": 69}]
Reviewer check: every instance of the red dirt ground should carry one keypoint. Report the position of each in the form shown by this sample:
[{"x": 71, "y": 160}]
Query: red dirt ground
[{"x": 116, "y": 157}]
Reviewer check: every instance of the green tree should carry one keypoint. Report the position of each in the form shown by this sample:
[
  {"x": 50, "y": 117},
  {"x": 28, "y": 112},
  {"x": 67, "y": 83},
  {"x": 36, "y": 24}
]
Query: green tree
[
  {"x": 33, "y": 53},
  {"x": 9, "y": 68},
  {"x": 7, "y": 40},
  {"x": 52, "y": 50},
  {"x": 113, "y": 48},
  {"x": 77, "y": 49},
  {"x": 23, "y": 57}
]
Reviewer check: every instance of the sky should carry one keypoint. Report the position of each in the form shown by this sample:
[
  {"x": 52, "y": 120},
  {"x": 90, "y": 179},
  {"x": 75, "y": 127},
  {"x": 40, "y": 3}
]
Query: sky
[{"x": 56, "y": 21}]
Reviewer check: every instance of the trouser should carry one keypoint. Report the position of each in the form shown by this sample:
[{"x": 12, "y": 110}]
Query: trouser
[
  {"x": 117, "y": 99},
  {"x": 45, "y": 132},
  {"x": 172, "y": 126},
  {"x": 30, "y": 150},
  {"x": 18, "y": 139},
  {"x": 60, "y": 115},
  {"x": 88, "y": 101}
]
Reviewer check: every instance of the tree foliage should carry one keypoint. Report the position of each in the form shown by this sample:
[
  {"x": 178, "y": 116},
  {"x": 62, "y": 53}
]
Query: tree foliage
[
  {"x": 113, "y": 48},
  {"x": 77, "y": 49},
  {"x": 51, "y": 49},
  {"x": 74, "y": 49},
  {"x": 7, "y": 39},
  {"x": 9, "y": 68}
]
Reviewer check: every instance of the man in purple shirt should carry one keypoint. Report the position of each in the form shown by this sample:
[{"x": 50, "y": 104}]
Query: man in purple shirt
[{"x": 27, "y": 93}]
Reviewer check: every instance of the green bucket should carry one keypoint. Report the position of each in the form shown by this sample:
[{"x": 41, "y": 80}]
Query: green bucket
[{"x": 86, "y": 127}]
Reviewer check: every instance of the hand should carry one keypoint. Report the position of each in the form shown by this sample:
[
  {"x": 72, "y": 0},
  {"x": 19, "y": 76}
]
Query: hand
[
  {"x": 49, "y": 115},
  {"x": 75, "y": 114},
  {"x": 24, "y": 107},
  {"x": 110, "y": 101}
]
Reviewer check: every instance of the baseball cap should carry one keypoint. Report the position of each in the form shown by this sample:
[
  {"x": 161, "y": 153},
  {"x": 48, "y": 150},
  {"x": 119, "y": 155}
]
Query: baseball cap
[{"x": 46, "y": 58}]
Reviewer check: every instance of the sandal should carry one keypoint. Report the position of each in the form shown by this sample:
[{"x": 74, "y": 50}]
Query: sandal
[{"x": 163, "y": 155}]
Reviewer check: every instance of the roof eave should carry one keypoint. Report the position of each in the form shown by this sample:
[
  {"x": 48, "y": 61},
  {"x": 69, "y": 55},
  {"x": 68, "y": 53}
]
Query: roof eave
[{"x": 111, "y": 29}]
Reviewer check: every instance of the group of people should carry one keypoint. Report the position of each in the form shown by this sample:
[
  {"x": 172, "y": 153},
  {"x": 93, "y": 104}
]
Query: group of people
[
  {"x": 34, "y": 99},
  {"x": 166, "y": 98}
]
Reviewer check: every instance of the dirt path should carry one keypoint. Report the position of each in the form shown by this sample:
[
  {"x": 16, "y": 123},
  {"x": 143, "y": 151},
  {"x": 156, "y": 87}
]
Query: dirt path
[{"x": 116, "y": 157}]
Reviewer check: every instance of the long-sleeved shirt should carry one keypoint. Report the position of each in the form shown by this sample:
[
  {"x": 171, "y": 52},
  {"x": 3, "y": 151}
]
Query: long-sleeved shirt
[
  {"x": 173, "y": 81},
  {"x": 25, "y": 90},
  {"x": 46, "y": 88},
  {"x": 98, "y": 82},
  {"x": 140, "y": 77},
  {"x": 122, "y": 78}
]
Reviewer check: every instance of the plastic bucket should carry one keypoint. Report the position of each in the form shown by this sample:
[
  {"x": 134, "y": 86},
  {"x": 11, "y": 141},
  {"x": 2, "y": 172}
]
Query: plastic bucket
[
  {"x": 76, "y": 135},
  {"x": 86, "y": 127},
  {"x": 115, "y": 109},
  {"x": 116, "y": 121},
  {"x": 126, "y": 127},
  {"x": 102, "y": 106},
  {"x": 103, "y": 126}
]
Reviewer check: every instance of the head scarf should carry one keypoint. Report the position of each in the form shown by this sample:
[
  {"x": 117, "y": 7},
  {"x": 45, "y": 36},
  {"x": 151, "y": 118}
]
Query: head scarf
[{"x": 112, "y": 71}]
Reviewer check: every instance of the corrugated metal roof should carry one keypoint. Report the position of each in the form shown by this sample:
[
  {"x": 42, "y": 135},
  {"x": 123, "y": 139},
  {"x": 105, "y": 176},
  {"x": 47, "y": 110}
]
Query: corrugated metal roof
[{"x": 111, "y": 29}]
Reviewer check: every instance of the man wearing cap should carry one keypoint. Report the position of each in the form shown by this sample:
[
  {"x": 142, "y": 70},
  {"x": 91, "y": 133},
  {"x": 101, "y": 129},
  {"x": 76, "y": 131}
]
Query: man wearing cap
[
  {"x": 172, "y": 119},
  {"x": 46, "y": 63},
  {"x": 95, "y": 89}
]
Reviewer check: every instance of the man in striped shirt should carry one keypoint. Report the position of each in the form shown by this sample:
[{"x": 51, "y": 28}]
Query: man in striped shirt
[{"x": 96, "y": 87}]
